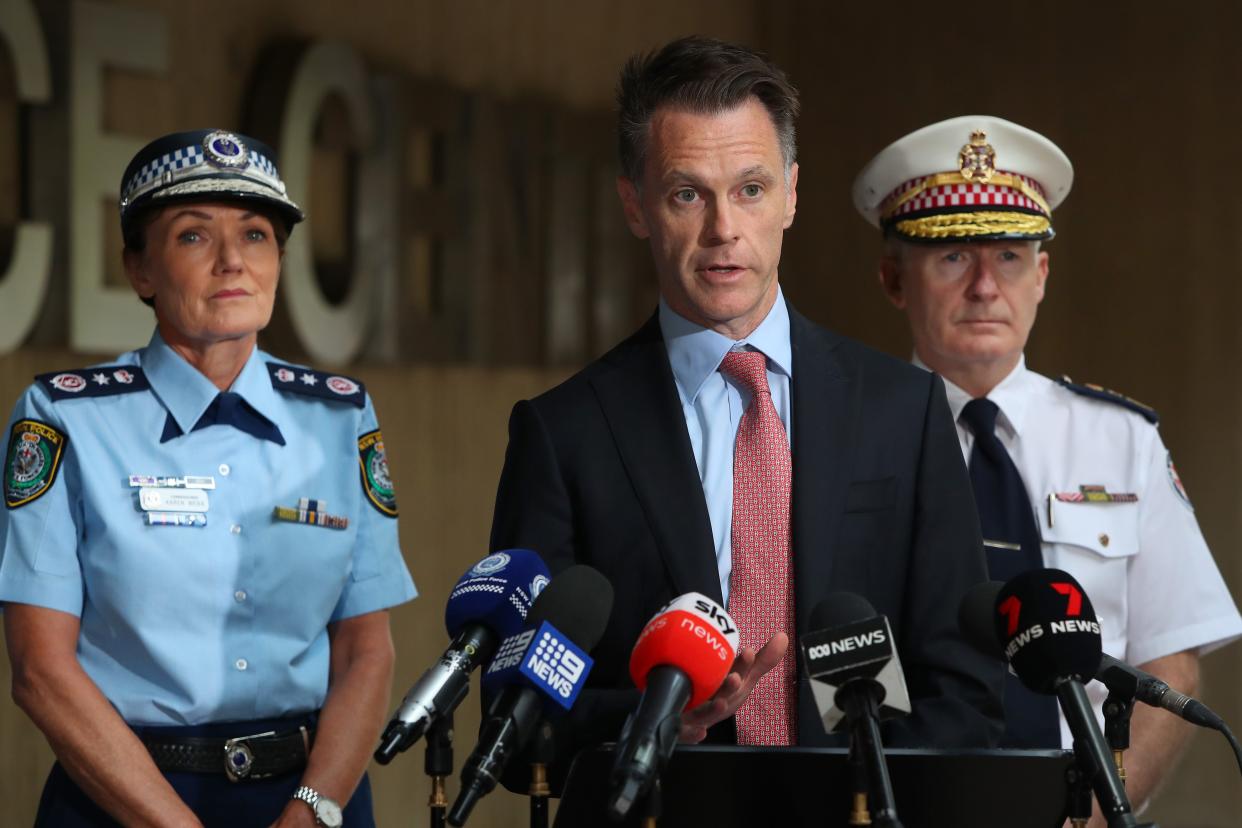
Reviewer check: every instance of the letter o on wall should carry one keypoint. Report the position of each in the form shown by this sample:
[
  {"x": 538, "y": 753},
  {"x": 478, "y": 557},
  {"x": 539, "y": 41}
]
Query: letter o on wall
[{"x": 330, "y": 334}]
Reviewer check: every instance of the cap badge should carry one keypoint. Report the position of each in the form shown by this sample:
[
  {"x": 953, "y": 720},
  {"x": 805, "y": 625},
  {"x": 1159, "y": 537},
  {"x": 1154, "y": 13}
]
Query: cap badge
[
  {"x": 224, "y": 149},
  {"x": 977, "y": 160}
]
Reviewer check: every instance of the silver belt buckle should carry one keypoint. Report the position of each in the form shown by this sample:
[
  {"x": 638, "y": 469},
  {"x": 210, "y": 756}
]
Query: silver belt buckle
[{"x": 238, "y": 760}]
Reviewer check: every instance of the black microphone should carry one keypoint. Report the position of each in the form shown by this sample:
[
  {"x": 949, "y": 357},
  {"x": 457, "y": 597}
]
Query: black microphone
[
  {"x": 975, "y": 619},
  {"x": 537, "y": 671},
  {"x": 856, "y": 677},
  {"x": 490, "y": 601},
  {"x": 1132, "y": 683},
  {"x": 1049, "y": 634}
]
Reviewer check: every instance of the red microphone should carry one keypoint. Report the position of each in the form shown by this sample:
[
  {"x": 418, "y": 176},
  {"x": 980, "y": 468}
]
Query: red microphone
[{"x": 680, "y": 659}]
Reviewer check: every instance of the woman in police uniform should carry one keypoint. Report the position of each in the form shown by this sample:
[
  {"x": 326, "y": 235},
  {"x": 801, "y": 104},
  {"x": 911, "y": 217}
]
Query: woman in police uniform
[{"x": 199, "y": 541}]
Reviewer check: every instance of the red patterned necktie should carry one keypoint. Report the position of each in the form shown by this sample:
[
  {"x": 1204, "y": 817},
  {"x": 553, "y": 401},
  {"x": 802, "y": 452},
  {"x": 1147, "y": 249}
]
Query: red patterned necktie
[{"x": 761, "y": 597}]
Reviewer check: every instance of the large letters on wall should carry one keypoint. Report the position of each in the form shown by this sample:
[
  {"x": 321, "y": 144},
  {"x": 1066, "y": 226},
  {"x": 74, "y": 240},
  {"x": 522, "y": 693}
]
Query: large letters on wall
[{"x": 24, "y": 285}]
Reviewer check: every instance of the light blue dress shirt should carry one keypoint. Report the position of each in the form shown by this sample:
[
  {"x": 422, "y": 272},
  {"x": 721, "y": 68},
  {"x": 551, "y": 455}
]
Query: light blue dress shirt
[
  {"x": 184, "y": 625},
  {"x": 713, "y": 405}
]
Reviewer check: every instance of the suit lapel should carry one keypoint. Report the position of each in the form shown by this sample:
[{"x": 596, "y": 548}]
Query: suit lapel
[
  {"x": 639, "y": 400},
  {"x": 825, "y": 418}
]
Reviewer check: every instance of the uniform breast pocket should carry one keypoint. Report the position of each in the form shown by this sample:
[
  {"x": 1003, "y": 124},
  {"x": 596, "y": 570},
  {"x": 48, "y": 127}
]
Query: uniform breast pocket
[{"x": 1095, "y": 542}]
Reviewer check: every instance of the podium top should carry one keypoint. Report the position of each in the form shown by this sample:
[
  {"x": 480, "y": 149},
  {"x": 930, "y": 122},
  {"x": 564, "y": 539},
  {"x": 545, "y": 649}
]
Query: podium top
[{"x": 727, "y": 785}]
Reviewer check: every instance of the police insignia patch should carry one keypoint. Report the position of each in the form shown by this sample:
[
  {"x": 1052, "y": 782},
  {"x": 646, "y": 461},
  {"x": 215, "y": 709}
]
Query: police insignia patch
[
  {"x": 376, "y": 481},
  {"x": 31, "y": 463},
  {"x": 1176, "y": 481}
]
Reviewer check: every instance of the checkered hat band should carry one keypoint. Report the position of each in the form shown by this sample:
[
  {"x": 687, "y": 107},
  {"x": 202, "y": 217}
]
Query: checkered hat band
[
  {"x": 963, "y": 195},
  {"x": 190, "y": 161}
]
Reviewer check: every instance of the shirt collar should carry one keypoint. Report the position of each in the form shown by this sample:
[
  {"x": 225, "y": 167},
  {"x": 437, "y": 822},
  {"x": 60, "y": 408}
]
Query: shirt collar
[
  {"x": 1010, "y": 395},
  {"x": 695, "y": 352},
  {"x": 187, "y": 393}
]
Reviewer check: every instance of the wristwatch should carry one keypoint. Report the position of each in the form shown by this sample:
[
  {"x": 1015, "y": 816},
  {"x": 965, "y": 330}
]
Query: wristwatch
[{"x": 327, "y": 811}]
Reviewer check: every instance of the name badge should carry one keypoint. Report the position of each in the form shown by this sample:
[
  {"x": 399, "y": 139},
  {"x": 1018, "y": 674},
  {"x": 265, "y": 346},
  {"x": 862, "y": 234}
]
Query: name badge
[
  {"x": 173, "y": 500},
  {"x": 176, "y": 519},
  {"x": 190, "y": 481}
]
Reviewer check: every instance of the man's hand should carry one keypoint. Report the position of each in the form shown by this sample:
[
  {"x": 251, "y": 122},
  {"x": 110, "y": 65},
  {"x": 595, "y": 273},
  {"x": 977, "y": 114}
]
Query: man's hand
[{"x": 747, "y": 668}]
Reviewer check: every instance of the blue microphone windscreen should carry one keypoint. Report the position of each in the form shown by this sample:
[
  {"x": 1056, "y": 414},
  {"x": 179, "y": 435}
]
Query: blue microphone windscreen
[{"x": 497, "y": 592}]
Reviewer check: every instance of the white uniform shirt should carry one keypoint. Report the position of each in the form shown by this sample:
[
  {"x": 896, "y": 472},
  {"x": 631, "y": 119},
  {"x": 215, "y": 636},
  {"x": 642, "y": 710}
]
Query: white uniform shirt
[{"x": 1144, "y": 563}]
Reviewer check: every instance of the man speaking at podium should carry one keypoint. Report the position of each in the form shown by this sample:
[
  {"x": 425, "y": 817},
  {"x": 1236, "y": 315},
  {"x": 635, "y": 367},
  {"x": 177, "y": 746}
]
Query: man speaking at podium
[{"x": 733, "y": 448}]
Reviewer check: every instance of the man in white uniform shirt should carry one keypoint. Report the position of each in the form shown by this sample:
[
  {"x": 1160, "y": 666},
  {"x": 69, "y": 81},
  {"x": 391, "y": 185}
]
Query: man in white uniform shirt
[{"x": 964, "y": 205}]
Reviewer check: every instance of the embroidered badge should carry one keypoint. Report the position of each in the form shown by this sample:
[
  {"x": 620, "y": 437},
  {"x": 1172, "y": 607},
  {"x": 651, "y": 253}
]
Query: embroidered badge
[
  {"x": 376, "y": 481},
  {"x": 1176, "y": 481},
  {"x": 102, "y": 381},
  {"x": 31, "y": 463},
  {"x": 1099, "y": 392},
  {"x": 308, "y": 382},
  {"x": 1096, "y": 494}
]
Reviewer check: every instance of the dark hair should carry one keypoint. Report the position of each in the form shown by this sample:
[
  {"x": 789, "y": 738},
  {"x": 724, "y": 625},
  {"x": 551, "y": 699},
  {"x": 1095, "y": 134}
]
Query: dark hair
[
  {"x": 134, "y": 229},
  {"x": 705, "y": 76}
]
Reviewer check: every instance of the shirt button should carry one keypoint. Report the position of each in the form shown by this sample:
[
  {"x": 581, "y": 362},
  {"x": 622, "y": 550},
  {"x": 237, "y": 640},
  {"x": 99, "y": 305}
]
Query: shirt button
[
  {"x": 235, "y": 529},
  {"x": 241, "y": 664},
  {"x": 239, "y": 596},
  {"x": 224, "y": 469},
  {"x": 1104, "y": 539}
]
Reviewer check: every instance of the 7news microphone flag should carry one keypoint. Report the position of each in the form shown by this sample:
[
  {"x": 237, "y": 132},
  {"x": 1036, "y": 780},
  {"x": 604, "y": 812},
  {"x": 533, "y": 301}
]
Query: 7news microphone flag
[
  {"x": 536, "y": 672},
  {"x": 680, "y": 659},
  {"x": 1048, "y": 632},
  {"x": 1123, "y": 680},
  {"x": 490, "y": 601}
]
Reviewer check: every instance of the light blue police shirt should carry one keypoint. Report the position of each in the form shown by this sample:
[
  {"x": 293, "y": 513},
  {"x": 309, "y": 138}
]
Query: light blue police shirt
[
  {"x": 184, "y": 625},
  {"x": 713, "y": 405}
]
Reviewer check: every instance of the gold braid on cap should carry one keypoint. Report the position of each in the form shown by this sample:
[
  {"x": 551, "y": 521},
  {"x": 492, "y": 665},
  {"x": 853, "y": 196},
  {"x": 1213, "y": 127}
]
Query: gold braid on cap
[
  {"x": 999, "y": 179},
  {"x": 965, "y": 225}
]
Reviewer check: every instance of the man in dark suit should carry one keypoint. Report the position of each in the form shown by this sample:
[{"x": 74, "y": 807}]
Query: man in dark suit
[{"x": 733, "y": 448}]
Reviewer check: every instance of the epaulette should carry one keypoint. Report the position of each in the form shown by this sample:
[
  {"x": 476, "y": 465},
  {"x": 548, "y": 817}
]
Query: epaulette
[
  {"x": 294, "y": 380},
  {"x": 1100, "y": 393},
  {"x": 102, "y": 381}
]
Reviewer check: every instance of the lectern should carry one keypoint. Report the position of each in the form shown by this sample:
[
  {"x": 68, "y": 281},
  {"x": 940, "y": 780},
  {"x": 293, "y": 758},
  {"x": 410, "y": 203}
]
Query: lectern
[{"x": 721, "y": 786}]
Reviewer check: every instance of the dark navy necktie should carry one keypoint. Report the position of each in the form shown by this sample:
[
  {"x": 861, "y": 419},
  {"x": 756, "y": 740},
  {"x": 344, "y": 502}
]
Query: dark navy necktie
[
  {"x": 1011, "y": 540},
  {"x": 232, "y": 410}
]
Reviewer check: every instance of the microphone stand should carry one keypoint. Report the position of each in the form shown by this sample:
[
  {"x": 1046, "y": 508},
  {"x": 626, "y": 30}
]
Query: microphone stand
[
  {"x": 863, "y": 716},
  {"x": 541, "y": 751},
  {"x": 1079, "y": 806},
  {"x": 653, "y": 802},
  {"x": 859, "y": 815},
  {"x": 1117, "y": 710},
  {"x": 438, "y": 761}
]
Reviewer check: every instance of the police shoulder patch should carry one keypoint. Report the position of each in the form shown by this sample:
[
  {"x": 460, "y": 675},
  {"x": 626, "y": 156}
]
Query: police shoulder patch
[
  {"x": 1100, "y": 393},
  {"x": 31, "y": 462},
  {"x": 376, "y": 482},
  {"x": 294, "y": 380},
  {"x": 101, "y": 381}
]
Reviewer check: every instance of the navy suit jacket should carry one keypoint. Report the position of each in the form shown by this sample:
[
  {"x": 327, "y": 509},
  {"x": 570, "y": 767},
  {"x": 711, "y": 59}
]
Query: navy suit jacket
[{"x": 600, "y": 471}]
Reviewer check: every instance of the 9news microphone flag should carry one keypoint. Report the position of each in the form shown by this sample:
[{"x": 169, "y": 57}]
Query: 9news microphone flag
[{"x": 537, "y": 672}]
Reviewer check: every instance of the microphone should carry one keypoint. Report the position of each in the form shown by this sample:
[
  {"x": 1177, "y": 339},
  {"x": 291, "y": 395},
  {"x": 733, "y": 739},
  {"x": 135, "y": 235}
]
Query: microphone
[
  {"x": 1132, "y": 683},
  {"x": 1048, "y": 631},
  {"x": 975, "y": 619},
  {"x": 490, "y": 601},
  {"x": 539, "y": 670},
  {"x": 856, "y": 677},
  {"x": 852, "y": 651},
  {"x": 680, "y": 659}
]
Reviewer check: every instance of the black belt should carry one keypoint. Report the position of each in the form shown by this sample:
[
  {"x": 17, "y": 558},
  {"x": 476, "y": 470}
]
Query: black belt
[{"x": 241, "y": 757}]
